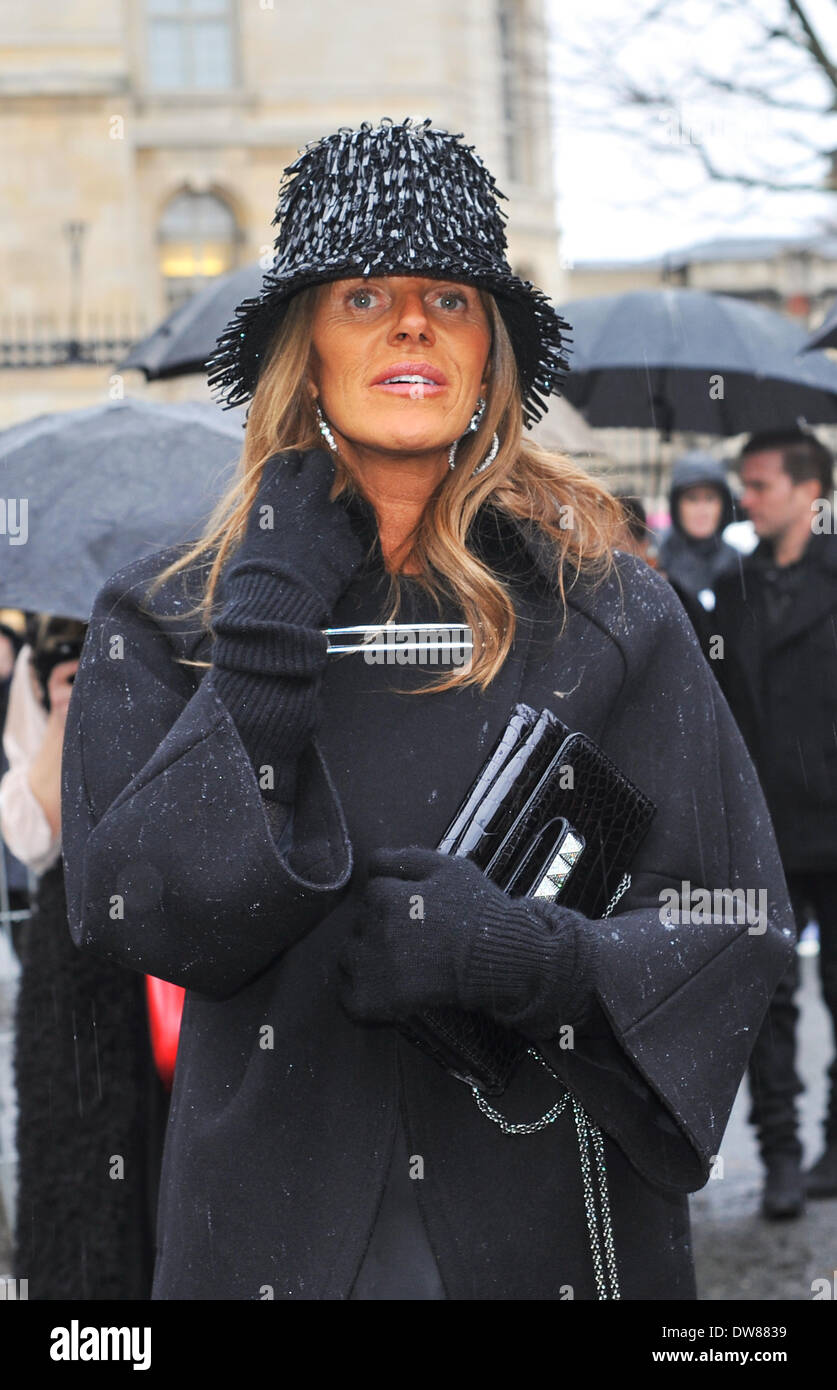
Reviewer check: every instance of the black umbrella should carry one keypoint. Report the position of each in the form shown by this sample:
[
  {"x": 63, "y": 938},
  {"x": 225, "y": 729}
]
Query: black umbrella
[
  {"x": 686, "y": 360},
  {"x": 183, "y": 342},
  {"x": 88, "y": 491},
  {"x": 826, "y": 335}
]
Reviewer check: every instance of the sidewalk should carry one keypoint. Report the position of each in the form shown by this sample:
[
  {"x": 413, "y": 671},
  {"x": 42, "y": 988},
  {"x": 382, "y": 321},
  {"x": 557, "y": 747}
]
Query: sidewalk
[{"x": 739, "y": 1255}]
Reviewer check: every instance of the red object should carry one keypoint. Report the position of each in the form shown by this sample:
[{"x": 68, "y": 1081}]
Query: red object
[{"x": 165, "y": 1007}]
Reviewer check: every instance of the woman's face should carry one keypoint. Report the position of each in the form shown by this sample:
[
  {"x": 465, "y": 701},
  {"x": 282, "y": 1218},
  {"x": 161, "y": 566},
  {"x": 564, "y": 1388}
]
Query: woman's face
[
  {"x": 436, "y": 333},
  {"x": 700, "y": 511}
]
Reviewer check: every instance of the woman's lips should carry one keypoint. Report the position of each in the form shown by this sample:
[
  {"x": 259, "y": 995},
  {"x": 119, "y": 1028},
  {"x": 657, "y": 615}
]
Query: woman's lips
[{"x": 418, "y": 390}]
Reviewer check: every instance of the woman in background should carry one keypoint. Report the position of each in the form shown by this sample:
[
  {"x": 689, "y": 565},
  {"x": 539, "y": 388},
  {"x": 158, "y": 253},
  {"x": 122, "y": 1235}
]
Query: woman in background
[
  {"x": 90, "y": 1106},
  {"x": 693, "y": 553}
]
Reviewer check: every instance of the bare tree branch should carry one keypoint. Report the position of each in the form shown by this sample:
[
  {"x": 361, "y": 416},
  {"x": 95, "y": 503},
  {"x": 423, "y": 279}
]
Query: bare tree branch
[
  {"x": 770, "y": 178},
  {"x": 752, "y": 181},
  {"x": 612, "y": 90},
  {"x": 813, "y": 44},
  {"x": 759, "y": 94}
]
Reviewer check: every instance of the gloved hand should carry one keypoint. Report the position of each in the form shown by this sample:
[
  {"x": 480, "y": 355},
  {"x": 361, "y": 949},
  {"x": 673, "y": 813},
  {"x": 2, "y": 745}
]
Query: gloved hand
[
  {"x": 431, "y": 929},
  {"x": 298, "y": 554},
  {"x": 297, "y": 538}
]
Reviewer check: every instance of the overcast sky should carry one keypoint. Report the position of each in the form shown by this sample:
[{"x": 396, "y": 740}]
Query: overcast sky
[{"x": 616, "y": 200}]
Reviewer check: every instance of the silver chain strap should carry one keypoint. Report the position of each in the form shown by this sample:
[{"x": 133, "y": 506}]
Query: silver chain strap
[
  {"x": 623, "y": 886},
  {"x": 589, "y": 1137},
  {"x": 532, "y": 1128}
]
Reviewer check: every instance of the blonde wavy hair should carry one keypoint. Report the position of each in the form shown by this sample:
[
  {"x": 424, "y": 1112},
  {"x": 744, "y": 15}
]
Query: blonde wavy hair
[{"x": 525, "y": 481}]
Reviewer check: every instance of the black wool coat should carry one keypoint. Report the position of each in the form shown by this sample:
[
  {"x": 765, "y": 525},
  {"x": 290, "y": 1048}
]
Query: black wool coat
[
  {"x": 781, "y": 684},
  {"x": 276, "y": 1157},
  {"x": 86, "y": 1089}
]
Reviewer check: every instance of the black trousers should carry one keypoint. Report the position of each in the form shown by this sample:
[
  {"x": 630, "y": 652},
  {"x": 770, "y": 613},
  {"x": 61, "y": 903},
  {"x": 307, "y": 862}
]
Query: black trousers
[{"x": 774, "y": 1082}]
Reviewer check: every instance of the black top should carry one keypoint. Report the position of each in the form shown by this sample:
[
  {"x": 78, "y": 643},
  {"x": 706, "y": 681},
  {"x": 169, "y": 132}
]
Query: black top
[{"x": 399, "y": 1262}]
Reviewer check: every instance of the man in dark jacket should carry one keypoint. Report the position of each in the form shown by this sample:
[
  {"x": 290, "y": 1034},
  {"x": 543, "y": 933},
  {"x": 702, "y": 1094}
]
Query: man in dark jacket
[
  {"x": 777, "y": 665},
  {"x": 693, "y": 554}
]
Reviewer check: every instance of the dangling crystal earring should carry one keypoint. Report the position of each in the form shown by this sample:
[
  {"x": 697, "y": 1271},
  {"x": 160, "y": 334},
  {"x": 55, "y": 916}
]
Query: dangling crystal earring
[
  {"x": 474, "y": 425},
  {"x": 324, "y": 428},
  {"x": 476, "y": 419},
  {"x": 490, "y": 456}
]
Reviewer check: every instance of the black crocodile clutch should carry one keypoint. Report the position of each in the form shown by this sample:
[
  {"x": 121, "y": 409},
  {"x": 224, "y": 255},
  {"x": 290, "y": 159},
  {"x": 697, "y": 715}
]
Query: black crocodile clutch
[{"x": 548, "y": 816}]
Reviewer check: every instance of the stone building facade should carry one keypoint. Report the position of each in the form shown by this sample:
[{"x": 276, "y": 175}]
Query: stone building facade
[{"x": 143, "y": 143}]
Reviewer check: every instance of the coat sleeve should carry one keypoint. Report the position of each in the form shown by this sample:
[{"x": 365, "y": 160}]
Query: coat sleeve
[
  {"x": 677, "y": 1004},
  {"x": 175, "y": 863}
]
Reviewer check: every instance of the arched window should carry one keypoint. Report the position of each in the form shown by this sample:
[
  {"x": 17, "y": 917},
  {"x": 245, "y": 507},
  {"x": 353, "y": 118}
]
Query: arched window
[
  {"x": 198, "y": 239},
  {"x": 190, "y": 45}
]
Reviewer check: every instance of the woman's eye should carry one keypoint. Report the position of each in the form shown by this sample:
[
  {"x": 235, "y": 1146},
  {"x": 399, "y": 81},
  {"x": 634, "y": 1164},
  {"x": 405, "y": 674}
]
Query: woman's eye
[
  {"x": 357, "y": 295},
  {"x": 367, "y": 298},
  {"x": 451, "y": 298}
]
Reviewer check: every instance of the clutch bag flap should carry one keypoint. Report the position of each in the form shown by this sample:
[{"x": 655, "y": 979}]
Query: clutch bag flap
[
  {"x": 555, "y": 820},
  {"x": 522, "y": 721}
]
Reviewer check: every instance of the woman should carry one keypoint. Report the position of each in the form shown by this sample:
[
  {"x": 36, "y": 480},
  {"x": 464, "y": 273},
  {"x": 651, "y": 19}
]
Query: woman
[
  {"x": 85, "y": 1081},
  {"x": 256, "y": 820},
  {"x": 694, "y": 554}
]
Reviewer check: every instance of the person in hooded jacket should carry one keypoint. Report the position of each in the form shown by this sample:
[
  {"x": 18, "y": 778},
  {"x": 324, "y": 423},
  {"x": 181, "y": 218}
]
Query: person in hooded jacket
[
  {"x": 693, "y": 553},
  {"x": 255, "y": 817}
]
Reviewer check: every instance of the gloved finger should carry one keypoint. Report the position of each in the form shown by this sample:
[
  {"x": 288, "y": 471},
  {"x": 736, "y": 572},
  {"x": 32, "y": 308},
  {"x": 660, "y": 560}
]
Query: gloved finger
[
  {"x": 380, "y": 898},
  {"x": 361, "y": 1002},
  {"x": 317, "y": 472},
  {"x": 360, "y": 925},
  {"x": 409, "y": 862},
  {"x": 359, "y": 1008},
  {"x": 350, "y": 957},
  {"x": 348, "y": 995}
]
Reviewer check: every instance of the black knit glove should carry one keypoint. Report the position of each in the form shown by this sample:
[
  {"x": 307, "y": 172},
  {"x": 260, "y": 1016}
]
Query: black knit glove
[
  {"x": 431, "y": 929},
  {"x": 297, "y": 556}
]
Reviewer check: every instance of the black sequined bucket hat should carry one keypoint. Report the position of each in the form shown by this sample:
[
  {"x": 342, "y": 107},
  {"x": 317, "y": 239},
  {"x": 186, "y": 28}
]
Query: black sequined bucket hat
[{"x": 386, "y": 200}]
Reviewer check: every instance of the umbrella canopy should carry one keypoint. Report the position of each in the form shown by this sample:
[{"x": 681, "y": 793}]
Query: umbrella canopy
[
  {"x": 688, "y": 360},
  {"x": 826, "y": 335},
  {"x": 88, "y": 491},
  {"x": 182, "y": 343}
]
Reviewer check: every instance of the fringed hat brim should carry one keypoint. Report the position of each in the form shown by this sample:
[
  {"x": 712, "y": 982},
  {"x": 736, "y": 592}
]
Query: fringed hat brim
[
  {"x": 538, "y": 333},
  {"x": 397, "y": 199}
]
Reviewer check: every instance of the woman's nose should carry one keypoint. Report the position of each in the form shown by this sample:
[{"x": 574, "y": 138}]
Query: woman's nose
[{"x": 411, "y": 318}]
